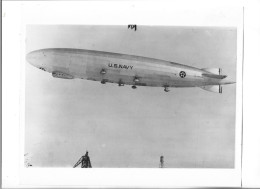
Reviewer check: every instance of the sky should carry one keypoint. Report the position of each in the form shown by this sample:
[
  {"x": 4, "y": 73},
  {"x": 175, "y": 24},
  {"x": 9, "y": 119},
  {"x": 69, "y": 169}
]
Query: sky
[{"x": 125, "y": 128}]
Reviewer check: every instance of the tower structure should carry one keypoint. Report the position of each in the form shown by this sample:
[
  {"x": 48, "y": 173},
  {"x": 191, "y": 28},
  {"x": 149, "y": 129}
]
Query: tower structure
[{"x": 161, "y": 165}]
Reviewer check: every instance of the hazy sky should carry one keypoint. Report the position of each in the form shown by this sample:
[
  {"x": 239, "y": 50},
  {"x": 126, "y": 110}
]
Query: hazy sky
[{"x": 122, "y": 127}]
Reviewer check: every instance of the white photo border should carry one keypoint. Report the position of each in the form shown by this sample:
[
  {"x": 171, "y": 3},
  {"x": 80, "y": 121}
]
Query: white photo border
[{"x": 167, "y": 13}]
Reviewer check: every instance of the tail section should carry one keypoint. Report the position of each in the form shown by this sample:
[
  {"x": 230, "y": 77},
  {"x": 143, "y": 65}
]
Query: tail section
[
  {"x": 213, "y": 88},
  {"x": 214, "y": 85},
  {"x": 215, "y": 73},
  {"x": 214, "y": 76}
]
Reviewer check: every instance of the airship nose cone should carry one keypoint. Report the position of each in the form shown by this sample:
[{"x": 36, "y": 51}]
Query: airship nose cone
[
  {"x": 32, "y": 58},
  {"x": 36, "y": 58}
]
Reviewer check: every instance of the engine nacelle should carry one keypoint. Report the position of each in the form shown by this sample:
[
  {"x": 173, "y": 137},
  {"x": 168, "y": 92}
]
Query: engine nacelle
[{"x": 62, "y": 75}]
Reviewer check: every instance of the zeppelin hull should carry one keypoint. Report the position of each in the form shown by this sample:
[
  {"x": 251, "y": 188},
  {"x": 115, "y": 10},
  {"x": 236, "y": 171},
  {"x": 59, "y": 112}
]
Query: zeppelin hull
[
  {"x": 119, "y": 68},
  {"x": 124, "y": 69}
]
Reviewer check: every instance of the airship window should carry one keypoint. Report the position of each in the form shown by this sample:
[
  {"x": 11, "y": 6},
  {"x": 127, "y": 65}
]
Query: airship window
[{"x": 182, "y": 74}]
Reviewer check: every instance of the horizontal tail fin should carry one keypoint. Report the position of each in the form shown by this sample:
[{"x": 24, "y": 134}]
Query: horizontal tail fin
[
  {"x": 214, "y": 76},
  {"x": 217, "y": 71},
  {"x": 213, "y": 88}
]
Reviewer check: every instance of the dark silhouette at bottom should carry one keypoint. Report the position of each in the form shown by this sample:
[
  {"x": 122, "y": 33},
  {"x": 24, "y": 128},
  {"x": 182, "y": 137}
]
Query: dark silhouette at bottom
[{"x": 84, "y": 161}]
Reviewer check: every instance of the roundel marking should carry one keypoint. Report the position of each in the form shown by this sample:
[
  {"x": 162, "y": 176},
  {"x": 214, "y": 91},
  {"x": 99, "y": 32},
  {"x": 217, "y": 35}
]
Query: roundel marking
[{"x": 182, "y": 74}]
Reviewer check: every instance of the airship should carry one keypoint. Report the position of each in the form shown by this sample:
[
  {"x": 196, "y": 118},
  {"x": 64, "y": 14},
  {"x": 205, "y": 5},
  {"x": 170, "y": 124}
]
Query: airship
[{"x": 124, "y": 69}]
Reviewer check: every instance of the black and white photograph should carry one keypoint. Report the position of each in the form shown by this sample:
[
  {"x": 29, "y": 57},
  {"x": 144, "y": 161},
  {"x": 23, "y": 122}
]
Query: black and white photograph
[{"x": 130, "y": 96}]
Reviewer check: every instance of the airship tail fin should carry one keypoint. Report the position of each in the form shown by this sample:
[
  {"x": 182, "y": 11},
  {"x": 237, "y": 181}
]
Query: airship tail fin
[
  {"x": 217, "y": 71},
  {"x": 213, "y": 88},
  {"x": 214, "y": 76}
]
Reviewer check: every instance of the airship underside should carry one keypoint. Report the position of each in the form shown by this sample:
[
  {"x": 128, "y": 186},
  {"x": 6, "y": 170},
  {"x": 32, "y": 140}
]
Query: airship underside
[{"x": 124, "y": 69}]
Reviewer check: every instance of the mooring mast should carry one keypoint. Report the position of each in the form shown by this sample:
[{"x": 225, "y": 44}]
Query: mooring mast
[{"x": 161, "y": 162}]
